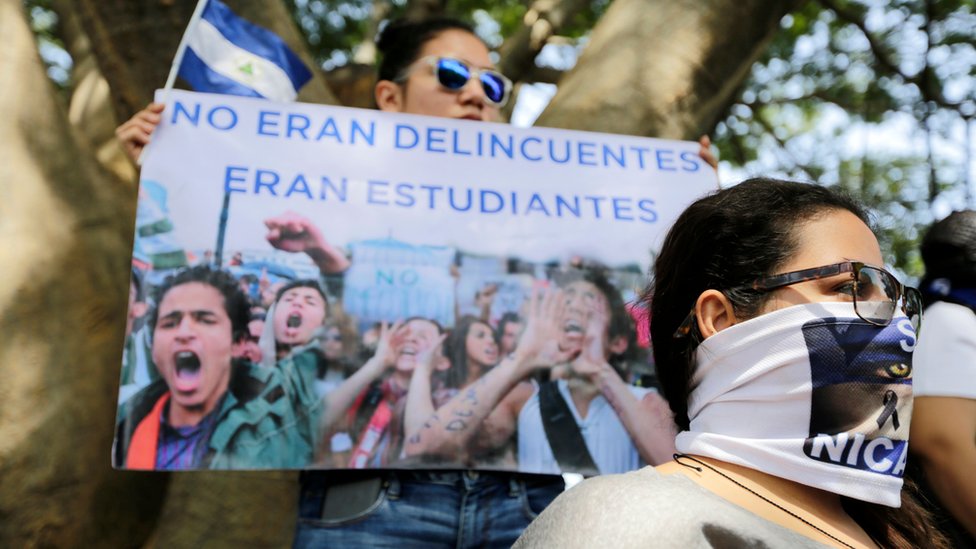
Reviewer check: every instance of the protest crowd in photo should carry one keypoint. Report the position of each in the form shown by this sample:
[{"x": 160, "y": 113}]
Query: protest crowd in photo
[{"x": 365, "y": 392}]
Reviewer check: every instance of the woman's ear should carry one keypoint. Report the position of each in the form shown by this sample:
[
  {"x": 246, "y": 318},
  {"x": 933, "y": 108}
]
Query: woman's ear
[
  {"x": 714, "y": 313},
  {"x": 389, "y": 96}
]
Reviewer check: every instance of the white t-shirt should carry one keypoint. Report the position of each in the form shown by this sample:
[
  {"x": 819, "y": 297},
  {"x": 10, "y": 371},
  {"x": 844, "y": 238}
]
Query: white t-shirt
[
  {"x": 607, "y": 440},
  {"x": 325, "y": 385},
  {"x": 944, "y": 363}
]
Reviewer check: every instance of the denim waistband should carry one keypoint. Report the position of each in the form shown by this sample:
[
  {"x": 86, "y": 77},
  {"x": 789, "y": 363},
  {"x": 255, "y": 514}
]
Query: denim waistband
[
  {"x": 447, "y": 477},
  {"x": 470, "y": 475}
]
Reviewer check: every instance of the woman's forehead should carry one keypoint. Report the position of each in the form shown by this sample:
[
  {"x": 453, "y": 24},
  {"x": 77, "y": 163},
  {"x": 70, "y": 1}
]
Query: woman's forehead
[
  {"x": 459, "y": 44},
  {"x": 420, "y": 325},
  {"x": 834, "y": 237}
]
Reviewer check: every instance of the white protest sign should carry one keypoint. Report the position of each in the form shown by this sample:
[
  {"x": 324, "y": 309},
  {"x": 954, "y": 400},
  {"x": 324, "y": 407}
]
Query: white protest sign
[
  {"x": 392, "y": 280},
  {"x": 433, "y": 222},
  {"x": 535, "y": 194}
]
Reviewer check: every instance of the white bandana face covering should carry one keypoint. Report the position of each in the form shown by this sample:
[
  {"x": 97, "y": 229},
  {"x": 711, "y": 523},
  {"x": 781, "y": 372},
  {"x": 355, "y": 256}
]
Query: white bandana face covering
[{"x": 810, "y": 393}]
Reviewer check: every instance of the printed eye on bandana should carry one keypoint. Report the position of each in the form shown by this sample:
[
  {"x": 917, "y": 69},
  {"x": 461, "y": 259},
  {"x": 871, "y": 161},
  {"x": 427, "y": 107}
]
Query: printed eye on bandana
[
  {"x": 862, "y": 393},
  {"x": 811, "y": 393}
]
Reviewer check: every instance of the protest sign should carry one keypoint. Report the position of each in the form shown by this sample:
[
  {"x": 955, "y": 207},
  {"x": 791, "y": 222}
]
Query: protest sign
[{"x": 441, "y": 226}]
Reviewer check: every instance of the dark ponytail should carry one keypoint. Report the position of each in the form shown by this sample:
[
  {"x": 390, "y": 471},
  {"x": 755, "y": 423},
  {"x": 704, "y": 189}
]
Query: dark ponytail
[{"x": 906, "y": 527}]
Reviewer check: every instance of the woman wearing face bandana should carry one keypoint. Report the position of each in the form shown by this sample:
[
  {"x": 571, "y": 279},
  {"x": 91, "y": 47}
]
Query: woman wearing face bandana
[{"x": 784, "y": 350}]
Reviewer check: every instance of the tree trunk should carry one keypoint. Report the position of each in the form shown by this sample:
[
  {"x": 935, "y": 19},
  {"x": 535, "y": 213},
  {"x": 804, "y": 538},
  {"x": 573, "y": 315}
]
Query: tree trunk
[
  {"x": 66, "y": 226},
  {"x": 229, "y": 509},
  {"x": 257, "y": 509},
  {"x": 544, "y": 19},
  {"x": 664, "y": 68}
]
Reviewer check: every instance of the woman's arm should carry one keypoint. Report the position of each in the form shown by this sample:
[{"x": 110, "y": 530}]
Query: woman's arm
[
  {"x": 339, "y": 400},
  {"x": 420, "y": 401},
  {"x": 943, "y": 437},
  {"x": 648, "y": 421}
]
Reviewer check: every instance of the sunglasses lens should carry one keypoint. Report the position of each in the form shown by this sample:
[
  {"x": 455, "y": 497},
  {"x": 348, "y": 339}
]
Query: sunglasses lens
[
  {"x": 452, "y": 74},
  {"x": 494, "y": 86},
  {"x": 913, "y": 306},
  {"x": 877, "y": 295}
]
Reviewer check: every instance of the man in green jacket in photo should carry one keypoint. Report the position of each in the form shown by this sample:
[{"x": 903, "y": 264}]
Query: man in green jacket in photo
[{"x": 209, "y": 410}]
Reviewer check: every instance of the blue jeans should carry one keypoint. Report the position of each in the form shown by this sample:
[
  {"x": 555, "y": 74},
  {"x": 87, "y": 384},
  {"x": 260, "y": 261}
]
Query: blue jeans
[{"x": 428, "y": 509}]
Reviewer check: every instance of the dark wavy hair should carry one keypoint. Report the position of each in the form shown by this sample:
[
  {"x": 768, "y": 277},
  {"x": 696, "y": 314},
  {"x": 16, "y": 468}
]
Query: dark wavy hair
[
  {"x": 724, "y": 241},
  {"x": 506, "y": 319},
  {"x": 236, "y": 304},
  {"x": 401, "y": 40}
]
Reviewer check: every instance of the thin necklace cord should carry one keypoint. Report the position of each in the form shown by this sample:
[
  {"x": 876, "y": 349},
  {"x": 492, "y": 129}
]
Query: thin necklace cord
[{"x": 678, "y": 457}]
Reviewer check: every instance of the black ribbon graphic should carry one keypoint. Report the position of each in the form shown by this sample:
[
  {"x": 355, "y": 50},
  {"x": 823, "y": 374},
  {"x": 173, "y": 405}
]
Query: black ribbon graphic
[{"x": 890, "y": 410}]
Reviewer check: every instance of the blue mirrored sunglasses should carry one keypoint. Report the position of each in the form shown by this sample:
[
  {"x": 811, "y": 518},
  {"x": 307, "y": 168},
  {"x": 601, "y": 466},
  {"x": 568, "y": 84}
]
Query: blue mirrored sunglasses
[{"x": 454, "y": 74}]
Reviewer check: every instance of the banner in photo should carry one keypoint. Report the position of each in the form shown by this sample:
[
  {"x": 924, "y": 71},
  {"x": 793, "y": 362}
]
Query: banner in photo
[{"x": 345, "y": 276}]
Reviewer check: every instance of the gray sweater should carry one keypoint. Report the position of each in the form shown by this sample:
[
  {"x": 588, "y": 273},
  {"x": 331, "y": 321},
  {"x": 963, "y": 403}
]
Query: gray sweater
[{"x": 647, "y": 509}]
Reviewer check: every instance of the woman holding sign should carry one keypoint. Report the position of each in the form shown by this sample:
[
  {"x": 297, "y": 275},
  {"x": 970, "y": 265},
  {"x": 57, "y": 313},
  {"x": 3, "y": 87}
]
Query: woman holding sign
[
  {"x": 436, "y": 67},
  {"x": 784, "y": 350}
]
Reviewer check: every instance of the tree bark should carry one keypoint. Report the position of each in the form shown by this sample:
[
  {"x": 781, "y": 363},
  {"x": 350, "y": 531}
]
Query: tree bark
[
  {"x": 664, "y": 68},
  {"x": 229, "y": 509},
  {"x": 90, "y": 108},
  {"x": 543, "y": 20},
  {"x": 66, "y": 226},
  {"x": 353, "y": 85},
  {"x": 257, "y": 509}
]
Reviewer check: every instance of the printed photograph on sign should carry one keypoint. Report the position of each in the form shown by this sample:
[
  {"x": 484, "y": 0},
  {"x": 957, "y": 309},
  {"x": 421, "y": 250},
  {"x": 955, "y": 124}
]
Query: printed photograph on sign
[{"x": 324, "y": 287}]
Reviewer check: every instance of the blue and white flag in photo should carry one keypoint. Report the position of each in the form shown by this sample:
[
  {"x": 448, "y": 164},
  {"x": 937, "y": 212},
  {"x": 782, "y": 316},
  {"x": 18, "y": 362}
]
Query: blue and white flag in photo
[{"x": 226, "y": 54}]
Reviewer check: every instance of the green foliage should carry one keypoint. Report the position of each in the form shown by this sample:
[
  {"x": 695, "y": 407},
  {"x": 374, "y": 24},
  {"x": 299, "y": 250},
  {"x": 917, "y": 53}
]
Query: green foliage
[
  {"x": 874, "y": 97},
  {"x": 332, "y": 28}
]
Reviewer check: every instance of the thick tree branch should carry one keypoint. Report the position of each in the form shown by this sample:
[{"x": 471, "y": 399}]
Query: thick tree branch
[
  {"x": 543, "y": 20},
  {"x": 366, "y": 50},
  {"x": 664, "y": 68},
  {"x": 90, "y": 108},
  {"x": 353, "y": 85},
  {"x": 542, "y": 75}
]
